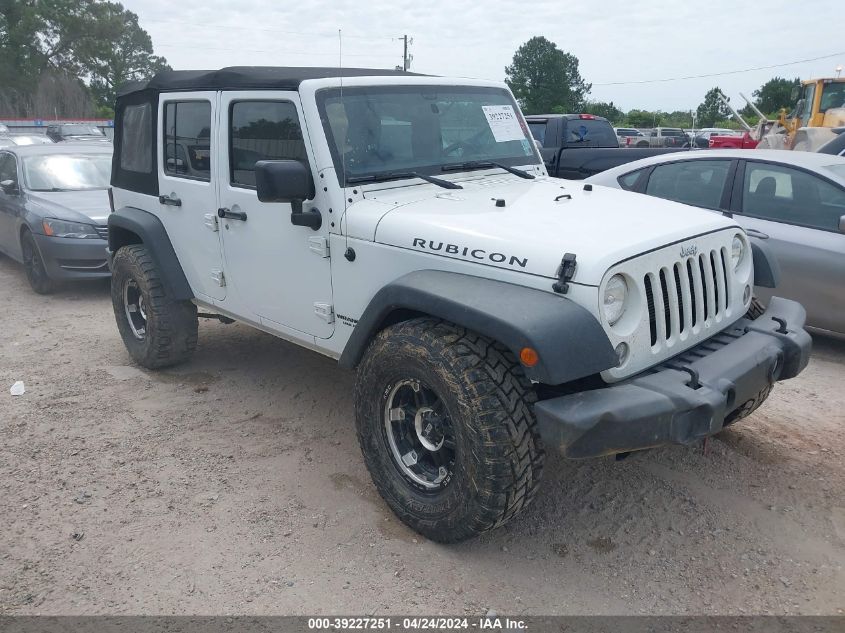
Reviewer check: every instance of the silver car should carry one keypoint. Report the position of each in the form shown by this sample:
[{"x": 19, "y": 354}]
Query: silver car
[
  {"x": 54, "y": 204},
  {"x": 794, "y": 201}
]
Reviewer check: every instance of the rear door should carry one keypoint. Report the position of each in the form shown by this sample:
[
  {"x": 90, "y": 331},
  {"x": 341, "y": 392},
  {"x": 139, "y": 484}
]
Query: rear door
[
  {"x": 800, "y": 213},
  {"x": 278, "y": 272},
  {"x": 188, "y": 200}
]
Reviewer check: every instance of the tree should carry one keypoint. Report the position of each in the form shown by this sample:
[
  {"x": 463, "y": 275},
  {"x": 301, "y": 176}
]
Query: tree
[
  {"x": 642, "y": 118},
  {"x": 546, "y": 79},
  {"x": 53, "y": 43},
  {"x": 606, "y": 110},
  {"x": 775, "y": 94},
  {"x": 711, "y": 109},
  {"x": 116, "y": 51}
]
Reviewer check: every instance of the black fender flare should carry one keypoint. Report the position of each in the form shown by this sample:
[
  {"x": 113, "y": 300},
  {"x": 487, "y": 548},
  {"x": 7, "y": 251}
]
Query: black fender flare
[
  {"x": 766, "y": 266},
  {"x": 129, "y": 225},
  {"x": 569, "y": 340}
]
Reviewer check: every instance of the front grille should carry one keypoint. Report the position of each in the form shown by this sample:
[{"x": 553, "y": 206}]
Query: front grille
[
  {"x": 692, "y": 293},
  {"x": 102, "y": 231}
]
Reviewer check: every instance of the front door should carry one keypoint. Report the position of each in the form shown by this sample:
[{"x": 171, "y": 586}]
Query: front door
[
  {"x": 11, "y": 206},
  {"x": 277, "y": 271},
  {"x": 188, "y": 201},
  {"x": 800, "y": 213}
]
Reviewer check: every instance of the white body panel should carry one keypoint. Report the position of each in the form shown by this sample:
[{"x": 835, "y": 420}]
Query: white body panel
[
  {"x": 196, "y": 246},
  {"x": 273, "y": 276}
]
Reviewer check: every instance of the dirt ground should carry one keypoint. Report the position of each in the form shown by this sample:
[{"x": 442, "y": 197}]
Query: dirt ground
[{"x": 234, "y": 484}]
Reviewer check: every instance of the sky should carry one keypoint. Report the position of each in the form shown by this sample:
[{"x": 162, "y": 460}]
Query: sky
[{"x": 615, "y": 41}]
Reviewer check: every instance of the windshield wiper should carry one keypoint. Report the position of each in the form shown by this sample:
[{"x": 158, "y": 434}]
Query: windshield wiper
[
  {"x": 396, "y": 175},
  {"x": 483, "y": 164}
]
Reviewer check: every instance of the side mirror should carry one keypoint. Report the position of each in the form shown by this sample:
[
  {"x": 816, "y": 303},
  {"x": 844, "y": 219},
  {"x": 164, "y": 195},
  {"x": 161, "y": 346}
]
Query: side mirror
[
  {"x": 799, "y": 108},
  {"x": 10, "y": 187},
  {"x": 287, "y": 181}
]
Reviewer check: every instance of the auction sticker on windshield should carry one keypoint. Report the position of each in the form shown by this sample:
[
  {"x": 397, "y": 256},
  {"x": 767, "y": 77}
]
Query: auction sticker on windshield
[{"x": 503, "y": 123}]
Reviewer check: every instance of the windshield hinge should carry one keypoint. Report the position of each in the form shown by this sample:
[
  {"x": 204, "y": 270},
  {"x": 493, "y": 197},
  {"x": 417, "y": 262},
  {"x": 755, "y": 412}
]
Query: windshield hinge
[
  {"x": 325, "y": 311},
  {"x": 210, "y": 220},
  {"x": 319, "y": 245},
  {"x": 218, "y": 277},
  {"x": 565, "y": 273}
]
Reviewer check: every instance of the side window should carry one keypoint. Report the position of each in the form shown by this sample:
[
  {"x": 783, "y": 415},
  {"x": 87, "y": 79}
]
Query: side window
[
  {"x": 629, "y": 181},
  {"x": 262, "y": 130},
  {"x": 136, "y": 149},
  {"x": 783, "y": 194},
  {"x": 699, "y": 183},
  {"x": 187, "y": 132},
  {"x": 538, "y": 131},
  {"x": 8, "y": 167}
]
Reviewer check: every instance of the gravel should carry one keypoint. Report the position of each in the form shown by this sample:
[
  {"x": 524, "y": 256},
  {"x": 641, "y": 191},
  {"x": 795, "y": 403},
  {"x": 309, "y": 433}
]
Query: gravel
[{"x": 234, "y": 484}]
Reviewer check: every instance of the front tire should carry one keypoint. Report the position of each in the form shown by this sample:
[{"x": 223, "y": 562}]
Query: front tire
[
  {"x": 445, "y": 423},
  {"x": 158, "y": 331},
  {"x": 33, "y": 264}
]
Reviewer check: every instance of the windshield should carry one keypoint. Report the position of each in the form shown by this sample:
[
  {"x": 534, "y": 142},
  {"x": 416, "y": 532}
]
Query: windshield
[
  {"x": 375, "y": 130},
  {"x": 67, "y": 172},
  {"x": 81, "y": 130},
  {"x": 839, "y": 170}
]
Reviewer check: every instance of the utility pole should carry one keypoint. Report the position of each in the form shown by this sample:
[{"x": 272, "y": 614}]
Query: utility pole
[{"x": 405, "y": 60}]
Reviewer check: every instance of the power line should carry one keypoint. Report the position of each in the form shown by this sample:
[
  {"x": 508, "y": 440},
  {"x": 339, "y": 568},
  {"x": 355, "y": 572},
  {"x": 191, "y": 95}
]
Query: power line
[{"x": 729, "y": 72}]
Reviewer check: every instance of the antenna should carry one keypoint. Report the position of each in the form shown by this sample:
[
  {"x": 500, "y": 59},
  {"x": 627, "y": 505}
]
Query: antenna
[{"x": 344, "y": 223}]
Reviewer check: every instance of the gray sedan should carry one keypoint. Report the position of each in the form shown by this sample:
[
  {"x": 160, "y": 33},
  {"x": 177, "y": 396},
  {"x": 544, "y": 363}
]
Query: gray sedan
[
  {"x": 795, "y": 201},
  {"x": 54, "y": 205}
]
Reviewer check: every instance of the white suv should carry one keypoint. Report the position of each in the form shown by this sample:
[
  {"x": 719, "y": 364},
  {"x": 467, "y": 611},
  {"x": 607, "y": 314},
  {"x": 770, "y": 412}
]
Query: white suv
[{"x": 405, "y": 225}]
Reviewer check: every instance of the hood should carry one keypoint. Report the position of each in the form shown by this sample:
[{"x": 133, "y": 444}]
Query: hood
[
  {"x": 75, "y": 206},
  {"x": 539, "y": 222}
]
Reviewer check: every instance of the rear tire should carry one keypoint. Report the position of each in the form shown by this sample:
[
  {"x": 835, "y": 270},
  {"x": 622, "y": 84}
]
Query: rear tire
[
  {"x": 445, "y": 423},
  {"x": 158, "y": 331},
  {"x": 33, "y": 264}
]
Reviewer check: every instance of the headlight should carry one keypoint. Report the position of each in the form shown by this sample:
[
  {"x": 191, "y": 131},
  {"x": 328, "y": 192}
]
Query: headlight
[
  {"x": 737, "y": 251},
  {"x": 615, "y": 296},
  {"x": 61, "y": 228}
]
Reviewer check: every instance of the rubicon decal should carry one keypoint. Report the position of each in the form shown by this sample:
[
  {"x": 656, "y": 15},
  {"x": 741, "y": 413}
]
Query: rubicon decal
[{"x": 469, "y": 252}]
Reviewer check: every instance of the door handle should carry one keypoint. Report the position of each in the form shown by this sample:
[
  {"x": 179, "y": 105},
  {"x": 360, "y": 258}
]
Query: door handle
[
  {"x": 171, "y": 200},
  {"x": 231, "y": 215}
]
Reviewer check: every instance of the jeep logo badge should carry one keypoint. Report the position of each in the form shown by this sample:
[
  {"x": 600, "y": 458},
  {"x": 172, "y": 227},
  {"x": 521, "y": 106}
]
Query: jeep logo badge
[{"x": 689, "y": 251}]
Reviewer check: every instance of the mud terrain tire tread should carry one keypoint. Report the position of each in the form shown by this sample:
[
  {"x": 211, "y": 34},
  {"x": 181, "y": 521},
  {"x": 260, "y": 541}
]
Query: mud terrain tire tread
[
  {"x": 494, "y": 422},
  {"x": 171, "y": 335}
]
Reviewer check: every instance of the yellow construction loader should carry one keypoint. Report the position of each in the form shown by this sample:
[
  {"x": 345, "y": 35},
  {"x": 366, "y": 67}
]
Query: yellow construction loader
[{"x": 820, "y": 107}]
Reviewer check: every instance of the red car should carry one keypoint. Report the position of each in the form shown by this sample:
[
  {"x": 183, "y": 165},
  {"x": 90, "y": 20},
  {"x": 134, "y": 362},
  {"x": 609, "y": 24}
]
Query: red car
[{"x": 733, "y": 142}]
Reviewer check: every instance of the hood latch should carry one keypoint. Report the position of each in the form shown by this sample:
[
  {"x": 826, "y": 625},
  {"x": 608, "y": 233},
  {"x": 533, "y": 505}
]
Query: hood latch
[{"x": 565, "y": 273}]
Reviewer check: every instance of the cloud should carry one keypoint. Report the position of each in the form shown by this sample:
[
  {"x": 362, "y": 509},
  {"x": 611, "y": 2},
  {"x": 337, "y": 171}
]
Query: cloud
[{"x": 614, "y": 40}]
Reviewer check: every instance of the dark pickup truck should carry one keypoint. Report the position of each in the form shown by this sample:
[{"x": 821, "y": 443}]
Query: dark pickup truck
[{"x": 576, "y": 146}]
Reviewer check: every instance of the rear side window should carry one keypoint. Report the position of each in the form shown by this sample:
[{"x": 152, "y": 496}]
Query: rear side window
[
  {"x": 629, "y": 181},
  {"x": 187, "y": 131},
  {"x": 136, "y": 149},
  {"x": 262, "y": 130},
  {"x": 538, "y": 131},
  {"x": 699, "y": 183}
]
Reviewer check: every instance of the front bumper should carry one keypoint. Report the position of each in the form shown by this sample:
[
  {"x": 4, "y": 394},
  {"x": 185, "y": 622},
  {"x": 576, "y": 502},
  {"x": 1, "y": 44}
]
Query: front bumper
[
  {"x": 686, "y": 398},
  {"x": 71, "y": 259}
]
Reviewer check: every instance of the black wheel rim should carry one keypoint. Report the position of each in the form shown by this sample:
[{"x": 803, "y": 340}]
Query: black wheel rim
[
  {"x": 420, "y": 435},
  {"x": 32, "y": 262},
  {"x": 135, "y": 309}
]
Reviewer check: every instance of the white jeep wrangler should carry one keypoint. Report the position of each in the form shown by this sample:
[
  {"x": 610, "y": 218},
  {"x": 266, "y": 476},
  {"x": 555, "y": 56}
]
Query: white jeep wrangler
[{"x": 405, "y": 225}]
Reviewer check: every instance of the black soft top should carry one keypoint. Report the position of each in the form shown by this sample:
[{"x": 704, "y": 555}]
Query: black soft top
[{"x": 249, "y": 78}]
